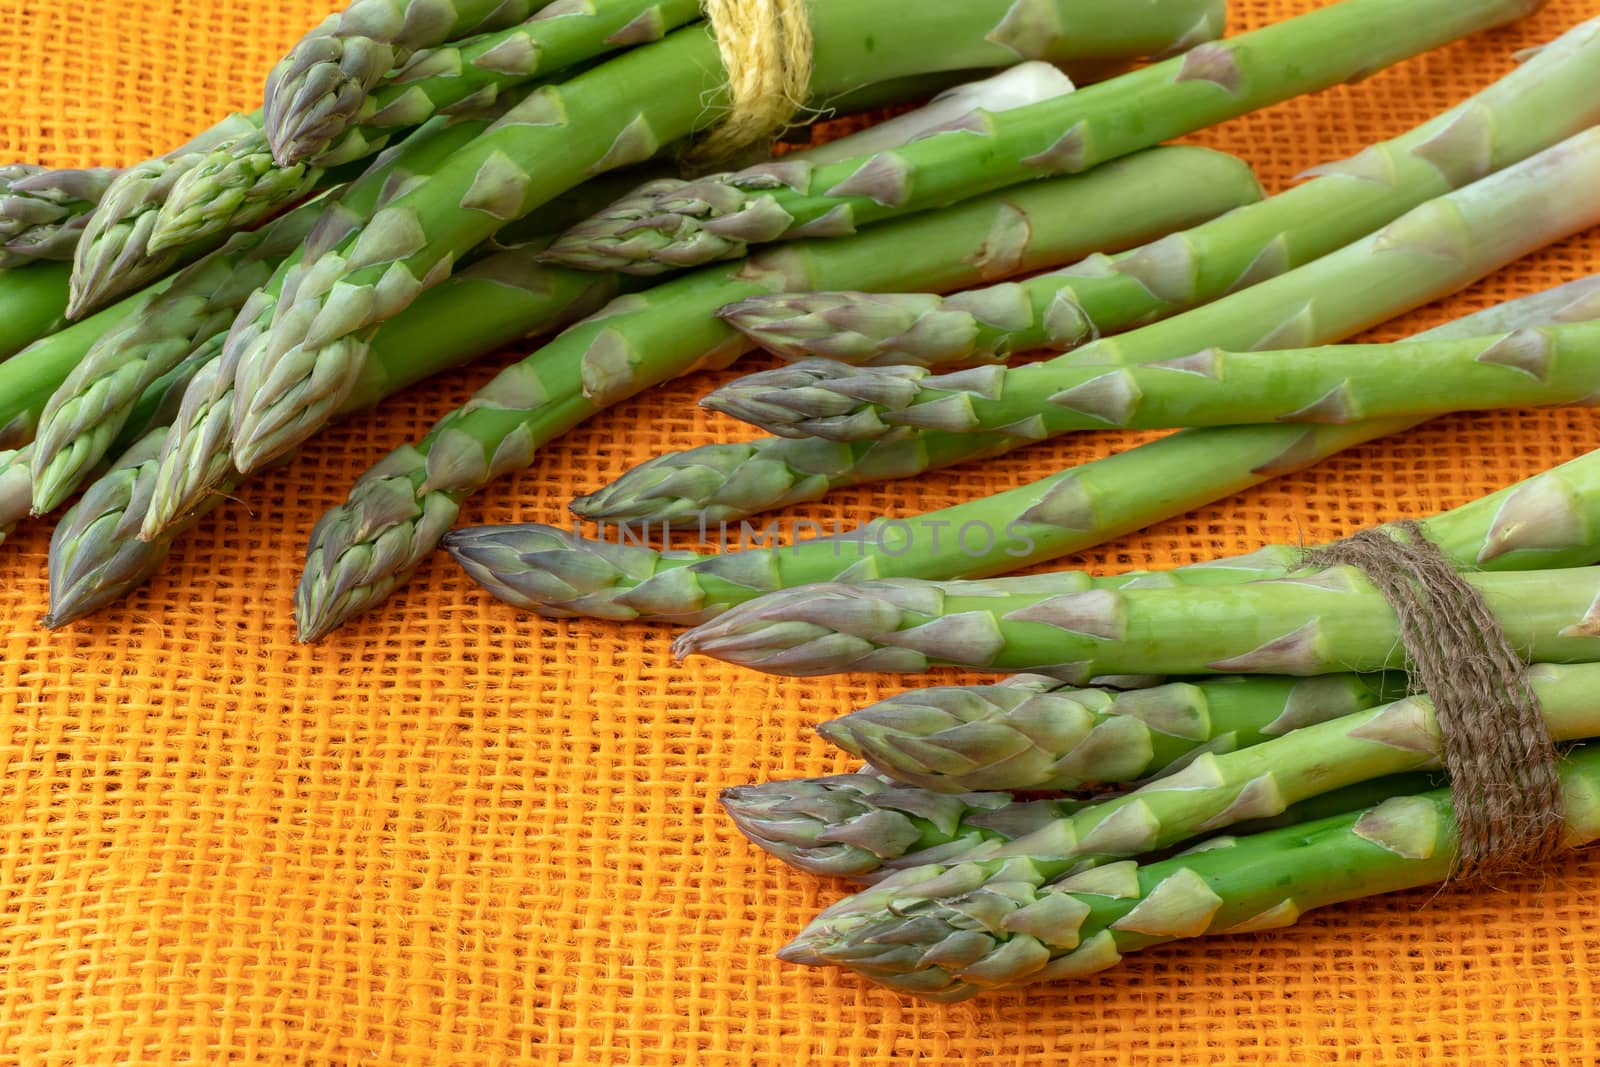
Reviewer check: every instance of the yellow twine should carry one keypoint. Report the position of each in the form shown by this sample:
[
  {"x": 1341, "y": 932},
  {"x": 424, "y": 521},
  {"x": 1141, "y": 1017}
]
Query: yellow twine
[{"x": 766, "y": 49}]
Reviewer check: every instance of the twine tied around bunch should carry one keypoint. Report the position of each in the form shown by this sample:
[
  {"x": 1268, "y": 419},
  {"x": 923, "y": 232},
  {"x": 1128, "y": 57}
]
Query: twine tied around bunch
[
  {"x": 1502, "y": 763},
  {"x": 766, "y": 48}
]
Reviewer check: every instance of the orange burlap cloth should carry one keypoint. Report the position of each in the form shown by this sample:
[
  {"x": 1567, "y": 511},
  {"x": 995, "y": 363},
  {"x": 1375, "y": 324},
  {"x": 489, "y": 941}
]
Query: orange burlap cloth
[{"x": 455, "y": 834}]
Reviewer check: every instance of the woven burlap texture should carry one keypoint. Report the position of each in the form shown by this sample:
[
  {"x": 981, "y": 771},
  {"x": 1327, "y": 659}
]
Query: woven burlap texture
[{"x": 456, "y": 834}]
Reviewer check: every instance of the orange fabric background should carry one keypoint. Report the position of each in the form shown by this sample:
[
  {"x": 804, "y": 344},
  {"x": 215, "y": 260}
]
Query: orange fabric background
[{"x": 456, "y": 834}]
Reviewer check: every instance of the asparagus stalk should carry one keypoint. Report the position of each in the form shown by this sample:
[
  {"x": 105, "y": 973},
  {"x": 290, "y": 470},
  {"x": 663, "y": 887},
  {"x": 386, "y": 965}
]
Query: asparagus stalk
[
  {"x": 318, "y": 90},
  {"x": 43, "y": 211},
  {"x": 1316, "y": 622},
  {"x": 113, "y": 254},
  {"x": 1543, "y": 522},
  {"x": 720, "y": 217},
  {"x": 949, "y": 932},
  {"x": 95, "y": 557},
  {"x": 308, "y": 344},
  {"x": 1335, "y": 384},
  {"x": 1034, "y": 733},
  {"x": 1550, "y": 97},
  {"x": 86, "y": 415},
  {"x": 859, "y": 827},
  {"x": 239, "y": 184},
  {"x": 397, "y": 513}
]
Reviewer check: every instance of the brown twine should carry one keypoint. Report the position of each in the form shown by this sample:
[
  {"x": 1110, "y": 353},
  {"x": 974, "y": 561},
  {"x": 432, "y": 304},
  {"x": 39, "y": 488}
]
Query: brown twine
[
  {"x": 1502, "y": 763},
  {"x": 766, "y": 49}
]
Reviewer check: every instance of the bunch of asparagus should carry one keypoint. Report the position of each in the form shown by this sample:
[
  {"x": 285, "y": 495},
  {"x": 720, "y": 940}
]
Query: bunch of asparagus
[
  {"x": 194, "y": 318},
  {"x": 1027, "y": 831},
  {"x": 231, "y": 297},
  {"x": 430, "y": 180}
]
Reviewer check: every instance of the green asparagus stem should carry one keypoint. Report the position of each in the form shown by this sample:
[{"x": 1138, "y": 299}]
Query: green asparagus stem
[
  {"x": 33, "y": 304},
  {"x": 1334, "y": 384},
  {"x": 397, "y": 513},
  {"x": 1315, "y": 622},
  {"x": 316, "y": 92},
  {"x": 949, "y": 932},
  {"x": 1551, "y": 96},
  {"x": 1547, "y": 521},
  {"x": 719, "y": 484},
  {"x": 309, "y": 344},
  {"x": 113, "y": 255},
  {"x": 87, "y": 413},
  {"x": 860, "y": 827},
  {"x": 95, "y": 557},
  {"x": 1034, "y": 733},
  {"x": 239, "y": 184},
  {"x": 722, "y": 216},
  {"x": 43, "y": 211}
]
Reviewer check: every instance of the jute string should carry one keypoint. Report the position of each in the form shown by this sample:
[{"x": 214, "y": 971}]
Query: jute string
[
  {"x": 766, "y": 49},
  {"x": 1502, "y": 763}
]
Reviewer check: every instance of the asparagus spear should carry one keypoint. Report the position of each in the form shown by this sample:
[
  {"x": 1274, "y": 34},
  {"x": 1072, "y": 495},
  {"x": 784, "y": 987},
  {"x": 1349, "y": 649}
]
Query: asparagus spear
[
  {"x": 949, "y": 932},
  {"x": 857, "y": 826},
  {"x": 238, "y": 184},
  {"x": 308, "y": 345},
  {"x": 95, "y": 558},
  {"x": 1315, "y": 622},
  {"x": 317, "y": 91},
  {"x": 112, "y": 256},
  {"x": 1032, "y": 732},
  {"x": 720, "y": 217},
  {"x": 1336, "y": 383},
  {"x": 86, "y": 414},
  {"x": 1549, "y": 97},
  {"x": 398, "y": 512},
  {"x": 1544, "y": 522},
  {"x": 43, "y": 211}
]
